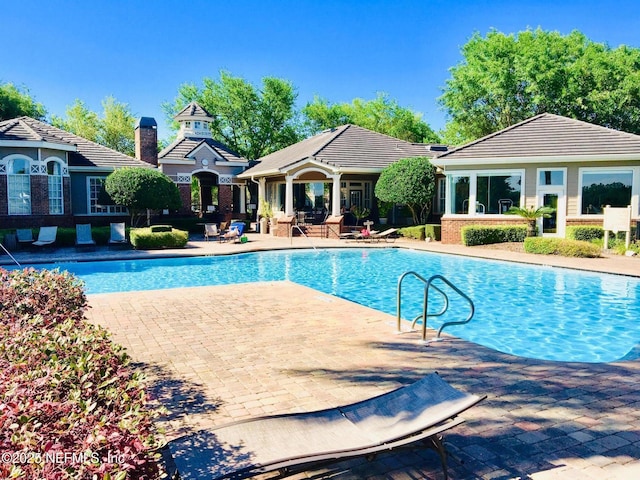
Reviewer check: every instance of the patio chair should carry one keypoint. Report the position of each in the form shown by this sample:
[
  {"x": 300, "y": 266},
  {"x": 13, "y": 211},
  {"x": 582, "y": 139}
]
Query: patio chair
[
  {"x": 25, "y": 236},
  {"x": 211, "y": 231},
  {"x": 387, "y": 235},
  {"x": 46, "y": 236},
  {"x": 232, "y": 234},
  {"x": 292, "y": 443},
  {"x": 118, "y": 234},
  {"x": 84, "y": 238}
]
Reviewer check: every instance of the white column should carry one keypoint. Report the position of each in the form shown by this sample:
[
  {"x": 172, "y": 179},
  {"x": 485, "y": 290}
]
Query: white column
[
  {"x": 243, "y": 199},
  {"x": 335, "y": 201},
  {"x": 288, "y": 196},
  {"x": 262, "y": 192}
]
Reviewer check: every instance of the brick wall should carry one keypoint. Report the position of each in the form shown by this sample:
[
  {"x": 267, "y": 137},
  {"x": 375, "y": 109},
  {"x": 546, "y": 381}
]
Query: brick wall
[
  {"x": 451, "y": 227},
  {"x": 225, "y": 199},
  {"x": 185, "y": 196},
  {"x": 146, "y": 141}
]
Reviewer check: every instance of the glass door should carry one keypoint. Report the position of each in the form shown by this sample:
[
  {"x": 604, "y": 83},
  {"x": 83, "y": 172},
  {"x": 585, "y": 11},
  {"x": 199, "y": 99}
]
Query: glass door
[{"x": 554, "y": 225}]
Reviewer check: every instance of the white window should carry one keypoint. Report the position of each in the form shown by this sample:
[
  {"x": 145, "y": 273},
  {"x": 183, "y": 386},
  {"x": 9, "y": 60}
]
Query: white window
[
  {"x": 441, "y": 196},
  {"x": 19, "y": 186},
  {"x": 491, "y": 192},
  {"x": 600, "y": 187},
  {"x": 54, "y": 176},
  {"x": 94, "y": 189}
]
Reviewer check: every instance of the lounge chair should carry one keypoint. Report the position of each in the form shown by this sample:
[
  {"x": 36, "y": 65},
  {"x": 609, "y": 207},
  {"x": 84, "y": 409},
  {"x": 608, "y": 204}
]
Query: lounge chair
[
  {"x": 84, "y": 238},
  {"x": 46, "y": 236},
  {"x": 388, "y": 234},
  {"x": 232, "y": 234},
  {"x": 292, "y": 443},
  {"x": 25, "y": 236},
  {"x": 118, "y": 234},
  {"x": 211, "y": 231}
]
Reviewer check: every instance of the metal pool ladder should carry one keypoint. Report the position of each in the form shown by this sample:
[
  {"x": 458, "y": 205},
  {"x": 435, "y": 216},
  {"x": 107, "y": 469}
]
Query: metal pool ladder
[{"x": 428, "y": 286}]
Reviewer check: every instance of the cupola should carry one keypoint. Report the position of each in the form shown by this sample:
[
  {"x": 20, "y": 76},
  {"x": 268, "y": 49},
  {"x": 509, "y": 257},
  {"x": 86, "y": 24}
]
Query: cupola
[{"x": 194, "y": 122}]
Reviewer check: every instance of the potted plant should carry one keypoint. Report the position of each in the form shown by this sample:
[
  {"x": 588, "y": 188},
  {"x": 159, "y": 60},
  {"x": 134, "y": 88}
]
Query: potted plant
[
  {"x": 383, "y": 211},
  {"x": 266, "y": 214},
  {"x": 360, "y": 213}
]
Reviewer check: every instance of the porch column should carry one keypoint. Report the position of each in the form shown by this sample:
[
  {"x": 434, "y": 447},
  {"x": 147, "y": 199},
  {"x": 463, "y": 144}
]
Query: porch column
[
  {"x": 335, "y": 200},
  {"x": 288, "y": 196},
  {"x": 242, "y": 197},
  {"x": 262, "y": 193}
]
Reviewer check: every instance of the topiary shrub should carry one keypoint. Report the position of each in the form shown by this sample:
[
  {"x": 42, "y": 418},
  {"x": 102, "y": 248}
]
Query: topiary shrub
[
  {"x": 144, "y": 238},
  {"x": 485, "y": 235},
  {"x": 69, "y": 399},
  {"x": 561, "y": 246},
  {"x": 585, "y": 232}
]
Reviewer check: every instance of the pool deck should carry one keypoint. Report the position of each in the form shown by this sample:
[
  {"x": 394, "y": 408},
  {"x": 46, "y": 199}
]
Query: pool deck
[{"x": 217, "y": 354}]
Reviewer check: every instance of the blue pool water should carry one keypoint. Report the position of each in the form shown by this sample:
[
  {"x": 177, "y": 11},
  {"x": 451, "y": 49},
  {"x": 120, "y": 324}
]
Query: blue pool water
[{"x": 536, "y": 312}]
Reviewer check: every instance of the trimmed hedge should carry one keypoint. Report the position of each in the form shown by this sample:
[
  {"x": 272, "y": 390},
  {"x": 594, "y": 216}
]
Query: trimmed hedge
[
  {"x": 416, "y": 231},
  {"x": 145, "y": 239},
  {"x": 585, "y": 232},
  {"x": 484, "y": 235},
  {"x": 433, "y": 231},
  {"x": 561, "y": 246},
  {"x": 66, "y": 388}
]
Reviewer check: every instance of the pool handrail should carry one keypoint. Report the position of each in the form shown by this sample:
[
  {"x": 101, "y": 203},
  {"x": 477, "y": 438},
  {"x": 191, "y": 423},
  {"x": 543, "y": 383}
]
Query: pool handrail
[{"x": 428, "y": 286}]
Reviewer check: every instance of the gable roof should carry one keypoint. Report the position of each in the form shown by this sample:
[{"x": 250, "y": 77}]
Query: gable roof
[
  {"x": 345, "y": 147},
  {"x": 546, "y": 135},
  {"x": 193, "y": 110},
  {"x": 82, "y": 152},
  {"x": 182, "y": 148}
]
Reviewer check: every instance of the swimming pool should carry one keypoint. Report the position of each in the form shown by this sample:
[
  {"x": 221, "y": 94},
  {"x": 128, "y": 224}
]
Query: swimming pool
[{"x": 529, "y": 311}]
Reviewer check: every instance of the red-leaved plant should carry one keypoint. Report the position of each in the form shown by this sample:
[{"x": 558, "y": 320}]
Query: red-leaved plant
[{"x": 71, "y": 406}]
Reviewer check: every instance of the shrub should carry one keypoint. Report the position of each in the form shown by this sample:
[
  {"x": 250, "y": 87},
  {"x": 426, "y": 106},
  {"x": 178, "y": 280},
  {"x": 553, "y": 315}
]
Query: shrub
[
  {"x": 585, "y": 232},
  {"x": 484, "y": 235},
  {"x": 65, "y": 388},
  {"x": 561, "y": 246},
  {"x": 416, "y": 231},
  {"x": 433, "y": 231},
  {"x": 144, "y": 238}
]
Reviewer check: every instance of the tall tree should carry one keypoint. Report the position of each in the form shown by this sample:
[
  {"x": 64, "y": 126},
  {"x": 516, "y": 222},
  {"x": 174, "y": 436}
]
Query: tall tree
[
  {"x": 16, "y": 102},
  {"x": 252, "y": 121},
  {"x": 381, "y": 114},
  {"x": 504, "y": 79},
  {"x": 115, "y": 129}
]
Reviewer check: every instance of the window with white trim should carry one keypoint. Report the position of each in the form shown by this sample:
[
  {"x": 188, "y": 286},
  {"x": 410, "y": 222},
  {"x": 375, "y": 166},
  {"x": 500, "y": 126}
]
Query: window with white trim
[
  {"x": 492, "y": 191},
  {"x": 19, "y": 186},
  {"x": 600, "y": 187},
  {"x": 95, "y": 185},
  {"x": 54, "y": 178}
]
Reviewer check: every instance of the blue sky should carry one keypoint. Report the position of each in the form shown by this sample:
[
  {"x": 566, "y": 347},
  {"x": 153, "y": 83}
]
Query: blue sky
[{"x": 140, "y": 52}]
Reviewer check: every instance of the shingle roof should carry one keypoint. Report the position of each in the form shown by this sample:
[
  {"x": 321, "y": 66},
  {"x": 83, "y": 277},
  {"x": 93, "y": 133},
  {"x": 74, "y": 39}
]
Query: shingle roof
[
  {"x": 193, "y": 110},
  {"x": 347, "y": 146},
  {"x": 547, "y": 135},
  {"x": 86, "y": 154},
  {"x": 182, "y": 147}
]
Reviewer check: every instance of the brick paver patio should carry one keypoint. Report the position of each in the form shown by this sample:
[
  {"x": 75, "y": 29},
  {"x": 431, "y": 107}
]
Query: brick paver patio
[{"x": 216, "y": 354}]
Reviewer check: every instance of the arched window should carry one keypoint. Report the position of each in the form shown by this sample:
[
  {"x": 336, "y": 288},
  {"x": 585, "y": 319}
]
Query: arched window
[
  {"x": 19, "y": 186},
  {"x": 54, "y": 174}
]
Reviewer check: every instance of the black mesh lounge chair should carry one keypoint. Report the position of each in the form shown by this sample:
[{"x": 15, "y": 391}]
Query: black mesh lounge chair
[{"x": 293, "y": 443}]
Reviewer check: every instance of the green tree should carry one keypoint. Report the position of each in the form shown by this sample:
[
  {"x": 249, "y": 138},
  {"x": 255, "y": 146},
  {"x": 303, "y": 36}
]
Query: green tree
[
  {"x": 252, "y": 121},
  {"x": 115, "y": 129},
  {"x": 531, "y": 215},
  {"x": 80, "y": 121},
  {"x": 17, "y": 102},
  {"x": 381, "y": 115},
  {"x": 410, "y": 181},
  {"x": 142, "y": 189},
  {"x": 504, "y": 79}
]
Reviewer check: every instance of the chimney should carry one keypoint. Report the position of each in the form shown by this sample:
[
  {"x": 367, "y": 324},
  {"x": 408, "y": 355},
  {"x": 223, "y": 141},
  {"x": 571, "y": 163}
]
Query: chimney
[{"x": 146, "y": 136}]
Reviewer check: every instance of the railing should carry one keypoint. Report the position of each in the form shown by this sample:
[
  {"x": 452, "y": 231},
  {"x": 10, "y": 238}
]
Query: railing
[
  {"x": 302, "y": 233},
  {"x": 11, "y": 256},
  {"x": 428, "y": 285}
]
